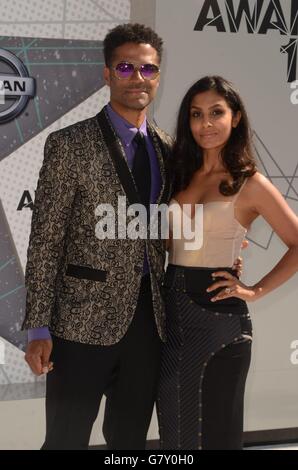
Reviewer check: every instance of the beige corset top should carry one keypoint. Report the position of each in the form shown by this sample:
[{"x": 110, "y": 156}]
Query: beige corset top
[{"x": 222, "y": 235}]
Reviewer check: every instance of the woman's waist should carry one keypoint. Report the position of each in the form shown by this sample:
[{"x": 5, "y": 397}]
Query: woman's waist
[
  {"x": 220, "y": 252},
  {"x": 194, "y": 282},
  {"x": 193, "y": 273}
]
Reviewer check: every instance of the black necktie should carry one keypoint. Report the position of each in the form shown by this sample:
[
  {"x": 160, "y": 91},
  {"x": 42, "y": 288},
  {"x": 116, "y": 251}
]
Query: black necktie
[{"x": 141, "y": 170}]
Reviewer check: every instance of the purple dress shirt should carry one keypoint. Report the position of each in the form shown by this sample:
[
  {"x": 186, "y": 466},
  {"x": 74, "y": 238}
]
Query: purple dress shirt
[{"x": 126, "y": 132}]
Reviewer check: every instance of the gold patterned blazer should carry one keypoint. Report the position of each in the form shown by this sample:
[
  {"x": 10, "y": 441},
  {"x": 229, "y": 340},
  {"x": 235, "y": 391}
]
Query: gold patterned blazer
[{"x": 83, "y": 288}]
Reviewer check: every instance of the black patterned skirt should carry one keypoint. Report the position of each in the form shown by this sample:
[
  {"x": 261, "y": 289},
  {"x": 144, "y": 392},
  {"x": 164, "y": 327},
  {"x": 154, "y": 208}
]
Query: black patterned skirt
[{"x": 205, "y": 362}]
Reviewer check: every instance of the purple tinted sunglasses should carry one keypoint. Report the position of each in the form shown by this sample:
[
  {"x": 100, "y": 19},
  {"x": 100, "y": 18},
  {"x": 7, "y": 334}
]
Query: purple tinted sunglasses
[{"x": 125, "y": 70}]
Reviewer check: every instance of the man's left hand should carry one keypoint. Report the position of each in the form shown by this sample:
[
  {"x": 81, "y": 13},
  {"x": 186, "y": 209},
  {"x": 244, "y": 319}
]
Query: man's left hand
[{"x": 238, "y": 263}]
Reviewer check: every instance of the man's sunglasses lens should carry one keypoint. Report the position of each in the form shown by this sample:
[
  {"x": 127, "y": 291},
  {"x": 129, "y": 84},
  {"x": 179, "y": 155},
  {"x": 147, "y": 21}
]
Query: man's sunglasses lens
[
  {"x": 149, "y": 71},
  {"x": 126, "y": 70}
]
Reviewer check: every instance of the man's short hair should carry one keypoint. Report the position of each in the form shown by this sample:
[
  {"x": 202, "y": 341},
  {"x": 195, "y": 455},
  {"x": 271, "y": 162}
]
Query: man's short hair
[{"x": 130, "y": 32}]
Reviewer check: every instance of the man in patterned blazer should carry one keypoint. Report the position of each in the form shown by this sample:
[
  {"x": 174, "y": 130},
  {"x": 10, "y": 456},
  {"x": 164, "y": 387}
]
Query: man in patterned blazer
[{"x": 94, "y": 308}]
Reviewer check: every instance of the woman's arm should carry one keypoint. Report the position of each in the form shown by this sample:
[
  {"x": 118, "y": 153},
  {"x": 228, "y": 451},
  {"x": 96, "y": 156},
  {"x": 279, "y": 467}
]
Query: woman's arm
[
  {"x": 266, "y": 200},
  {"x": 270, "y": 204}
]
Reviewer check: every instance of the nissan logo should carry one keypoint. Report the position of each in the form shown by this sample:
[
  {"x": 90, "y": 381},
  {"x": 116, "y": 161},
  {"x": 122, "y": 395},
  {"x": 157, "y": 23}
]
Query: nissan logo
[{"x": 16, "y": 87}]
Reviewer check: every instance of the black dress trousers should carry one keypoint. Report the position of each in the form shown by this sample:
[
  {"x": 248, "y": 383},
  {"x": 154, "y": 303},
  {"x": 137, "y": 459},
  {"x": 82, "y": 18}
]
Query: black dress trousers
[{"x": 127, "y": 371}]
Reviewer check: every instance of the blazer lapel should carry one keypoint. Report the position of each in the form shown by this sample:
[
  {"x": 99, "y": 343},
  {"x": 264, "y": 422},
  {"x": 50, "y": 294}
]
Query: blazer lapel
[
  {"x": 162, "y": 157},
  {"x": 117, "y": 154},
  {"x": 118, "y": 157}
]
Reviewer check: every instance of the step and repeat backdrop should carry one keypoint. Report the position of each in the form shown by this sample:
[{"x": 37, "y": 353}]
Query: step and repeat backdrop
[
  {"x": 253, "y": 43},
  {"x": 51, "y": 65}
]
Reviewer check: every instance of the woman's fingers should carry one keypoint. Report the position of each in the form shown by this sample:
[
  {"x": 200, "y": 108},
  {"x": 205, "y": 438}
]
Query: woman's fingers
[
  {"x": 224, "y": 294},
  {"x": 223, "y": 274},
  {"x": 225, "y": 283}
]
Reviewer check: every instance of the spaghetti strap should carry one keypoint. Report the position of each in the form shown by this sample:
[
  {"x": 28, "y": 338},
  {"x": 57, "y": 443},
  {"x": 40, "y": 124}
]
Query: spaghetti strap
[{"x": 240, "y": 190}]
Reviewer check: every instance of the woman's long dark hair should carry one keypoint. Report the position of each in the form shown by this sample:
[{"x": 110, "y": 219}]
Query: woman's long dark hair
[{"x": 237, "y": 155}]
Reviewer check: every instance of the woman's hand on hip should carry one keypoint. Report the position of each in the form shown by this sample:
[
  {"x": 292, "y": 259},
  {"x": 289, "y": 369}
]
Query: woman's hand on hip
[{"x": 232, "y": 287}]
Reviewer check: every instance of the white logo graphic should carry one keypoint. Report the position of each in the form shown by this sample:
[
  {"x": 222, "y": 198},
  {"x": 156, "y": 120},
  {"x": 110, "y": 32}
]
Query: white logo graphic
[{"x": 17, "y": 86}]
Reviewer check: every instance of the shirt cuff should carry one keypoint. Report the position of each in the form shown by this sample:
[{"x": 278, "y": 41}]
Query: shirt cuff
[{"x": 39, "y": 333}]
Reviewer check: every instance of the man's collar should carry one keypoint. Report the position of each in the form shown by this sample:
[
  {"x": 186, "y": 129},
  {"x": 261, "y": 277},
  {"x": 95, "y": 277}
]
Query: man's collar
[{"x": 125, "y": 130}]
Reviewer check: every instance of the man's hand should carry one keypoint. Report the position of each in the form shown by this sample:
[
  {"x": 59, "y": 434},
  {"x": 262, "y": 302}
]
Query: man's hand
[
  {"x": 38, "y": 355},
  {"x": 244, "y": 244},
  {"x": 238, "y": 263}
]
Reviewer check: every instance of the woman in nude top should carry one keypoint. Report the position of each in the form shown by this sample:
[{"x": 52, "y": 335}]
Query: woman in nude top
[{"x": 207, "y": 354}]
